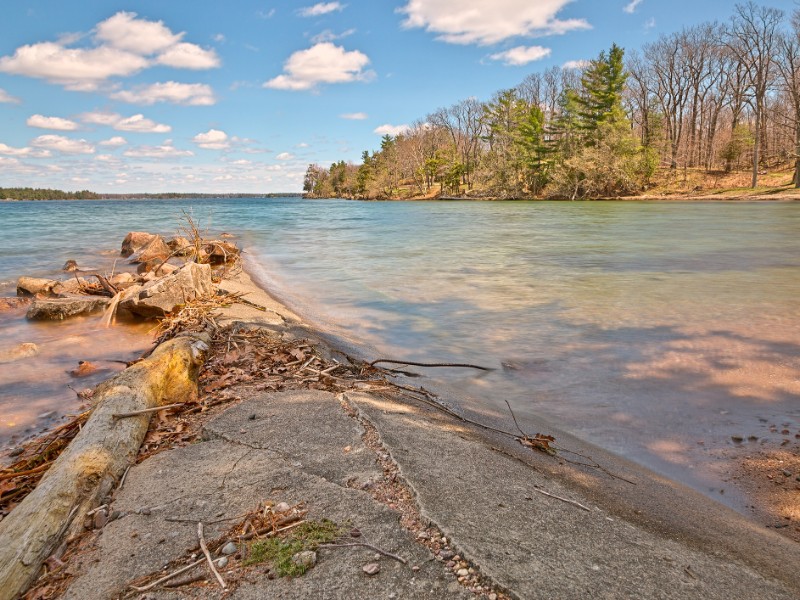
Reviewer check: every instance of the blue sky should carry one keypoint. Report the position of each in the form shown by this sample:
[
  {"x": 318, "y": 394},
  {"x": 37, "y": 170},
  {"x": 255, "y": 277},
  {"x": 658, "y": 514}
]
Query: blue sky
[{"x": 147, "y": 96}]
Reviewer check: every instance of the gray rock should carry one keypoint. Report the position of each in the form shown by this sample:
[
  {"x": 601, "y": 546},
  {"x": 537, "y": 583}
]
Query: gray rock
[
  {"x": 230, "y": 548},
  {"x": 135, "y": 241},
  {"x": 306, "y": 558},
  {"x": 462, "y": 572},
  {"x": 164, "y": 295},
  {"x": 155, "y": 249},
  {"x": 222, "y": 562},
  {"x": 18, "y": 352},
  {"x": 30, "y": 286},
  {"x": 70, "y": 266},
  {"x": 56, "y": 309},
  {"x": 371, "y": 568}
]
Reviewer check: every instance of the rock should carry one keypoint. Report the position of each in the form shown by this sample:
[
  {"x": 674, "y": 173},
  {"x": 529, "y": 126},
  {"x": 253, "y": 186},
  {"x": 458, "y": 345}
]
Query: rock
[
  {"x": 83, "y": 369},
  {"x": 230, "y": 548},
  {"x": 371, "y": 568},
  {"x": 306, "y": 558},
  {"x": 222, "y": 562},
  {"x": 787, "y": 473},
  {"x": 446, "y": 554},
  {"x": 56, "y": 309},
  {"x": 70, "y": 286},
  {"x": 156, "y": 249},
  {"x": 121, "y": 279},
  {"x": 226, "y": 236},
  {"x": 462, "y": 572},
  {"x": 164, "y": 295},
  {"x": 281, "y": 507},
  {"x": 218, "y": 252},
  {"x": 100, "y": 519},
  {"x": 180, "y": 246},
  {"x": 31, "y": 286},
  {"x": 737, "y": 439},
  {"x": 70, "y": 266},
  {"x": 135, "y": 241},
  {"x": 12, "y": 303},
  {"x": 156, "y": 266},
  {"x": 18, "y": 352}
]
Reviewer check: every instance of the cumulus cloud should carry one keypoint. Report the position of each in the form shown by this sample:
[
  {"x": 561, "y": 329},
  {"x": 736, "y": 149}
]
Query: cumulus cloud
[
  {"x": 114, "y": 142},
  {"x": 357, "y": 116},
  {"x": 322, "y": 63},
  {"x": 521, "y": 55},
  {"x": 62, "y": 144},
  {"x": 123, "y": 45},
  {"x": 484, "y": 23},
  {"x": 322, "y": 8},
  {"x": 56, "y": 123},
  {"x": 8, "y": 98},
  {"x": 188, "y": 94},
  {"x": 213, "y": 139},
  {"x": 165, "y": 150},
  {"x": 631, "y": 6},
  {"x": 285, "y": 156},
  {"x": 576, "y": 64},
  {"x": 136, "y": 123},
  {"x": 393, "y": 130},
  {"x": 27, "y": 152}
]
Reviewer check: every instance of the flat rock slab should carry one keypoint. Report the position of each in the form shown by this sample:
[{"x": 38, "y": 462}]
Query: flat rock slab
[
  {"x": 292, "y": 451},
  {"x": 257, "y": 308},
  {"x": 56, "y": 309},
  {"x": 536, "y": 546}
]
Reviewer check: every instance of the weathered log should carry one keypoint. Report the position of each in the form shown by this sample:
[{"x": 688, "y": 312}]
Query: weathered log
[{"x": 87, "y": 470}]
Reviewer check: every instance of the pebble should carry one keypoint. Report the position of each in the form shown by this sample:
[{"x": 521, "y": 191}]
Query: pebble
[
  {"x": 415, "y": 568},
  {"x": 306, "y": 558},
  {"x": 492, "y": 596},
  {"x": 451, "y": 563},
  {"x": 462, "y": 572},
  {"x": 281, "y": 507},
  {"x": 229, "y": 548},
  {"x": 446, "y": 554},
  {"x": 787, "y": 473},
  {"x": 371, "y": 568},
  {"x": 423, "y": 535},
  {"x": 222, "y": 562},
  {"x": 144, "y": 511},
  {"x": 16, "y": 452}
]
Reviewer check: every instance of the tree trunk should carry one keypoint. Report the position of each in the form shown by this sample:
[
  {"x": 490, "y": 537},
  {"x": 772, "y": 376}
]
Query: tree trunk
[
  {"x": 756, "y": 145},
  {"x": 88, "y": 469}
]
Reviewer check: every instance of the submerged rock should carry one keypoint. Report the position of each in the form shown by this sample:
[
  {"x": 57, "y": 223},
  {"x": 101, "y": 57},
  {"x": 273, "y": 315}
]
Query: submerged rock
[
  {"x": 57, "y": 309},
  {"x": 12, "y": 303},
  {"x": 164, "y": 295},
  {"x": 18, "y": 352}
]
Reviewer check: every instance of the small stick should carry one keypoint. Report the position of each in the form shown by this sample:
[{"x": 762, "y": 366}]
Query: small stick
[
  {"x": 422, "y": 364},
  {"x": 98, "y": 509},
  {"x": 180, "y": 571},
  {"x": 267, "y": 531},
  {"x": 365, "y": 545},
  {"x": 124, "y": 477},
  {"x": 567, "y": 500},
  {"x": 144, "y": 411},
  {"x": 208, "y": 556}
]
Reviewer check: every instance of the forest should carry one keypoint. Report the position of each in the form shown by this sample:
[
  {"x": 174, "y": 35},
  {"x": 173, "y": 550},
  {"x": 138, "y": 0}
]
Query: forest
[{"x": 712, "y": 99}]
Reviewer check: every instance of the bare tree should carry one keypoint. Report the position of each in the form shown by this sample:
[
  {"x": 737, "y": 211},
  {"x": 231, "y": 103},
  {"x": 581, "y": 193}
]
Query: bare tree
[{"x": 788, "y": 64}]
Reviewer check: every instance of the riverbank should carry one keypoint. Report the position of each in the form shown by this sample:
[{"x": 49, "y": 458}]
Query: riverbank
[{"x": 288, "y": 425}]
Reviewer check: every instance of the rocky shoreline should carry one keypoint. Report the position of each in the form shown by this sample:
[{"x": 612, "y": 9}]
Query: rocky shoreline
[{"x": 289, "y": 432}]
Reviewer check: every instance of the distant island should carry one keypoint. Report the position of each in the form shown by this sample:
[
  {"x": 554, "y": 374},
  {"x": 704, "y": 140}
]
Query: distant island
[{"x": 49, "y": 194}]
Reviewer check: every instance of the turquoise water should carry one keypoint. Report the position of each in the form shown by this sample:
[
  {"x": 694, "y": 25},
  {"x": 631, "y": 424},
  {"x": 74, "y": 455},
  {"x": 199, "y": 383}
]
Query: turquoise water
[{"x": 657, "y": 330}]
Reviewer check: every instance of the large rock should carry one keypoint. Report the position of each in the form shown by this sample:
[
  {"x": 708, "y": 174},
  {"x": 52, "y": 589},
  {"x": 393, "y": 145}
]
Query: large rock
[
  {"x": 31, "y": 286},
  {"x": 218, "y": 252},
  {"x": 135, "y": 241},
  {"x": 7, "y": 304},
  {"x": 180, "y": 246},
  {"x": 155, "y": 249},
  {"x": 166, "y": 294},
  {"x": 18, "y": 352},
  {"x": 57, "y": 309}
]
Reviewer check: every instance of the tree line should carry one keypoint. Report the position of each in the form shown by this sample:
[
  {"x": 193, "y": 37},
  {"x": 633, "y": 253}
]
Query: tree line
[
  {"x": 719, "y": 96},
  {"x": 45, "y": 194}
]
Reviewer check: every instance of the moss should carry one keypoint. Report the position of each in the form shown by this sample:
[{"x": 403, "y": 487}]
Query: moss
[{"x": 279, "y": 551}]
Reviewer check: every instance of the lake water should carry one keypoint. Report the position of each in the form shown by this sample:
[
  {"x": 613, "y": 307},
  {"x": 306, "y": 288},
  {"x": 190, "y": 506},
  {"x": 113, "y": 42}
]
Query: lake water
[{"x": 656, "y": 330}]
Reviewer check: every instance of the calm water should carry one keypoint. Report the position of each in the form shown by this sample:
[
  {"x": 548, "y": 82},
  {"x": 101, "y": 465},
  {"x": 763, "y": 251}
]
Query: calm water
[{"x": 655, "y": 330}]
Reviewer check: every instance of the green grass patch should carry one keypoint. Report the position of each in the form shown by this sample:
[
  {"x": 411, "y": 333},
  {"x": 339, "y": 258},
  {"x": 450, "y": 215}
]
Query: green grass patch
[{"x": 279, "y": 551}]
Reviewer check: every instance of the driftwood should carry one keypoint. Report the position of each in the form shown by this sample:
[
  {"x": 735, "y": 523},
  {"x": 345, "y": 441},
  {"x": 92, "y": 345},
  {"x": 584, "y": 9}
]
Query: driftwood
[{"x": 88, "y": 469}]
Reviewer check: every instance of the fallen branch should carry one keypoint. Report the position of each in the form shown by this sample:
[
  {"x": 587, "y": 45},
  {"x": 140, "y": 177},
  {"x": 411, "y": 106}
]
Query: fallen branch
[
  {"x": 145, "y": 411},
  {"x": 180, "y": 571},
  {"x": 366, "y": 545},
  {"x": 208, "y": 556},
  {"x": 567, "y": 500},
  {"x": 422, "y": 364}
]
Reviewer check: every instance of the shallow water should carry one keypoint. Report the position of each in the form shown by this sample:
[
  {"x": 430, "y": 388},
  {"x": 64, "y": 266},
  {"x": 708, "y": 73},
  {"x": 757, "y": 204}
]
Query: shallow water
[{"x": 656, "y": 330}]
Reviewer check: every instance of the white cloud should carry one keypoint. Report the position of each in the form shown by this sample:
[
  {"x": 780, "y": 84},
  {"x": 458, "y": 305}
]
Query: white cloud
[
  {"x": 166, "y": 150},
  {"x": 330, "y": 36},
  {"x": 113, "y": 142},
  {"x": 8, "y": 98},
  {"x": 484, "y": 23},
  {"x": 190, "y": 94},
  {"x": 322, "y": 8},
  {"x": 242, "y": 162},
  {"x": 188, "y": 56},
  {"x": 285, "y": 156},
  {"x": 322, "y": 63},
  {"x": 631, "y": 6},
  {"x": 126, "y": 32},
  {"x": 136, "y": 123},
  {"x": 56, "y": 123},
  {"x": 357, "y": 116},
  {"x": 521, "y": 55},
  {"x": 62, "y": 144},
  {"x": 226, "y": 177},
  {"x": 77, "y": 68},
  {"x": 393, "y": 130},
  {"x": 649, "y": 24},
  {"x": 302, "y": 145},
  {"x": 218, "y": 37},
  {"x": 213, "y": 139},
  {"x": 576, "y": 64},
  {"x": 265, "y": 14},
  {"x": 29, "y": 152}
]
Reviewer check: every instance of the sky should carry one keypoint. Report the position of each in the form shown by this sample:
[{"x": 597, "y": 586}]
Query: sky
[{"x": 241, "y": 96}]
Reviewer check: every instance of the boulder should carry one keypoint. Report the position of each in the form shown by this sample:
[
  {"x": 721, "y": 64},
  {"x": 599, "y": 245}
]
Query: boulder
[
  {"x": 157, "y": 266},
  {"x": 57, "y": 309},
  {"x": 180, "y": 246},
  {"x": 120, "y": 279},
  {"x": 70, "y": 287},
  {"x": 31, "y": 286},
  {"x": 18, "y": 352},
  {"x": 218, "y": 252},
  {"x": 166, "y": 294},
  {"x": 155, "y": 249},
  {"x": 134, "y": 241}
]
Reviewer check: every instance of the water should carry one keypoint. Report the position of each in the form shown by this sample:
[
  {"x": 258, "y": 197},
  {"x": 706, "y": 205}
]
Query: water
[{"x": 657, "y": 330}]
